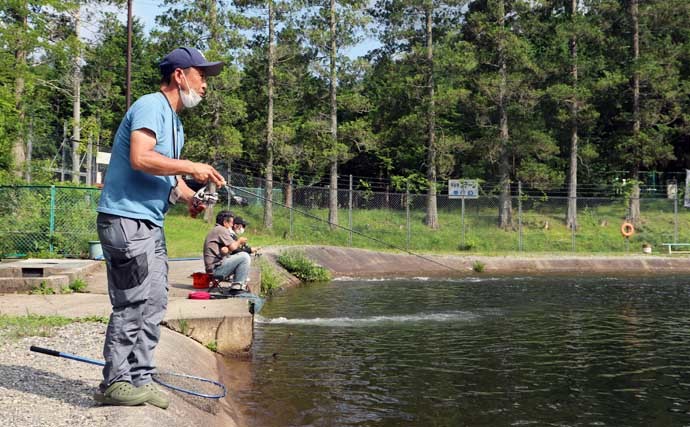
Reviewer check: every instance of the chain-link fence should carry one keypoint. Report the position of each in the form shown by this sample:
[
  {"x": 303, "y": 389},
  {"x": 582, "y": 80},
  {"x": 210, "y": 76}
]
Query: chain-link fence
[
  {"x": 47, "y": 220},
  {"x": 56, "y": 220},
  {"x": 537, "y": 219}
]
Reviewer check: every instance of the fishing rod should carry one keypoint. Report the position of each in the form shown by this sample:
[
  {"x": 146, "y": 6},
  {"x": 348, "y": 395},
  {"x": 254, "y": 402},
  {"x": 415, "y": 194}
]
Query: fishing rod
[{"x": 230, "y": 189}]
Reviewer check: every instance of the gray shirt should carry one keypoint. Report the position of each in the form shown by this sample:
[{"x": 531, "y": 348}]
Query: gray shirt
[{"x": 218, "y": 237}]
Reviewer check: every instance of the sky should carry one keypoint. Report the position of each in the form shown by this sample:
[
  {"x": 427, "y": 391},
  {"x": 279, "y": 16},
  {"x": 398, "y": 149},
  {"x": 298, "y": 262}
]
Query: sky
[{"x": 146, "y": 11}]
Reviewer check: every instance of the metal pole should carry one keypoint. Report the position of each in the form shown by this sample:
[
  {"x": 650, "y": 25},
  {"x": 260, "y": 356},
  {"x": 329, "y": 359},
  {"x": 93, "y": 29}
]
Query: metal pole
[
  {"x": 290, "y": 210},
  {"x": 520, "y": 216},
  {"x": 349, "y": 207},
  {"x": 407, "y": 214},
  {"x": 675, "y": 217},
  {"x": 462, "y": 222},
  {"x": 572, "y": 231},
  {"x": 52, "y": 218}
]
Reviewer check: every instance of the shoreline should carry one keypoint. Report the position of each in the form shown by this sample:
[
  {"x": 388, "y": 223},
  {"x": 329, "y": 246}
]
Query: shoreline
[{"x": 182, "y": 354}]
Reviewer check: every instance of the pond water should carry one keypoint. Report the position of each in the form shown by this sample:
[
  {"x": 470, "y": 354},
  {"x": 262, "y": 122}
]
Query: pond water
[{"x": 474, "y": 352}]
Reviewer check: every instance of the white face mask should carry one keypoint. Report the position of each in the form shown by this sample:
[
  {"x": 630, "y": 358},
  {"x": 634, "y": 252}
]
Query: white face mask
[
  {"x": 190, "y": 99},
  {"x": 240, "y": 231}
]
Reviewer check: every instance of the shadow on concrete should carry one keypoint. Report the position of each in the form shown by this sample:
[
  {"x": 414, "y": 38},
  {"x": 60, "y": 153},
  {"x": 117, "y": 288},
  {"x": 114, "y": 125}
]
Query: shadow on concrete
[{"x": 48, "y": 384}]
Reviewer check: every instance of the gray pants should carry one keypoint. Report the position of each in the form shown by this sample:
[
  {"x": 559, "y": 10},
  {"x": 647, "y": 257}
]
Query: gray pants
[
  {"x": 137, "y": 263},
  {"x": 238, "y": 263}
]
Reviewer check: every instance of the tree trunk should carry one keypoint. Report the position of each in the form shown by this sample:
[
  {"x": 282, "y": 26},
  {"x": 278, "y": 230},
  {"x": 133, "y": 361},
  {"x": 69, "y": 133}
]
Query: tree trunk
[
  {"x": 431, "y": 219},
  {"x": 333, "y": 187},
  {"x": 635, "y": 195},
  {"x": 268, "y": 203},
  {"x": 571, "y": 220},
  {"x": 76, "y": 106},
  {"x": 19, "y": 146},
  {"x": 505, "y": 213}
]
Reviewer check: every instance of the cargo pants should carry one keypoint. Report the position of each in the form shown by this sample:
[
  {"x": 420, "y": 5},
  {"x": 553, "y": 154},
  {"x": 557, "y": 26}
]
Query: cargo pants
[{"x": 137, "y": 264}]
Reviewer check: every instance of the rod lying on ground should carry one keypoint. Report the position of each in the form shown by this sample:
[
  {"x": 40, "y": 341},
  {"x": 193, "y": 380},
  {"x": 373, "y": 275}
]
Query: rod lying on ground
[{"x": 195, "y": 386}]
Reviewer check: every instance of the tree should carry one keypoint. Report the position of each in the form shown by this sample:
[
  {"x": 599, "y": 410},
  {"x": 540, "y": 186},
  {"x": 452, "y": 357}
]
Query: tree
[
  {"x": 211, "y": 27},
  {"x": 28, "y": 30},
  {"x": 513, "y": 139},
  {"x": 330, "y": 26},
  {"x": 657, "y": 90},
  {"x": 412, "y": 30}
]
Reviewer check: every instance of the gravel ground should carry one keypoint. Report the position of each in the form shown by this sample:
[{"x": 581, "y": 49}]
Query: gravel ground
[
  {"x": 47, "y": 391},
  {"x": 41, "y": 390}
]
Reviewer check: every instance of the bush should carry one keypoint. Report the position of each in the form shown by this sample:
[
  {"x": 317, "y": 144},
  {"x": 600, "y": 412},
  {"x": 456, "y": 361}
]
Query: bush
[{"x": 303, "y": 268}]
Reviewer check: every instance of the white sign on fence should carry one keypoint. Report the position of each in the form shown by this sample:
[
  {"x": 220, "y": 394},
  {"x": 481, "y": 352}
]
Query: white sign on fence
[
  {"x": 463, "y": 189},
  {"x": 102, "y": 158}
]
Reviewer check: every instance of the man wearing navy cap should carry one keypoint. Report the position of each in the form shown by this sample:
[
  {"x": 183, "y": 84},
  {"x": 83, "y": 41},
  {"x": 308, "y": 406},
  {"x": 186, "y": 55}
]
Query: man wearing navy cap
[{"x": 142, "y": 181}]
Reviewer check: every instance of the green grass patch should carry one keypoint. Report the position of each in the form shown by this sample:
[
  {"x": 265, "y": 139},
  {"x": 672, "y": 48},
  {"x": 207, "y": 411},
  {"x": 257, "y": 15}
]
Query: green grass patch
[
  {"x": 543, "y": 229},
  {"x": 34, "y": 325},
  {"x": 297, "y": 263},
  {"x": 42, "y": 289},
  {"x": 270, "y": 279}
]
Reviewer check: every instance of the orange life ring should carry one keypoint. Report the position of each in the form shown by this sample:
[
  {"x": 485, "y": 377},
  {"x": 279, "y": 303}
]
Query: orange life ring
[{"x": 627, "y": 229}]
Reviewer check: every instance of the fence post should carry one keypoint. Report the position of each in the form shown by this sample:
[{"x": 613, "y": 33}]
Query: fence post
[
  {"x": 572, "y": 227},
  {"x": 292, "y": 205},
  {"x": 519, "y": 216},
  {"x": 462, "y": 222},
  {"x": 675, "y": 216},
  {"x": 52, "y": 218},
  {"x": 407, "y": 214},
  {"x": 349, "y": 213}
]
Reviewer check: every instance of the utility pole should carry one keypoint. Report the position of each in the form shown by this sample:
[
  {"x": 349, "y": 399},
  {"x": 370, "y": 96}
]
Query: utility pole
[
  {"x": 76, "y": 112},
  {"x": 128, "y": 90}
]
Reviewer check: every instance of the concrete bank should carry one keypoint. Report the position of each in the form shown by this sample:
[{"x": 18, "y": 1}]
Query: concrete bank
[
  {"x": 350, "y": 262},
  {"x": 225, "y": 323}
]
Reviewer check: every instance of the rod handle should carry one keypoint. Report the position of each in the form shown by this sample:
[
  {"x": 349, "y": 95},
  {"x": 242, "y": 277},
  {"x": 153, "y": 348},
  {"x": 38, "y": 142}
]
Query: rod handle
[{"x": 44, "y": 351}]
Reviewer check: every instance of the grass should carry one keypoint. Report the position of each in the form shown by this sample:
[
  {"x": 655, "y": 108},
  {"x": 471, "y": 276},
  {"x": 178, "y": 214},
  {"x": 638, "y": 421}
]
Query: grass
[
  {"x": 42, "y": 289},
  {"x": 270, "y": 280},
  {"x": 297, "y": 263},
  {"x": 543, "y": 229},
  {"x": 34, "y": 325}
]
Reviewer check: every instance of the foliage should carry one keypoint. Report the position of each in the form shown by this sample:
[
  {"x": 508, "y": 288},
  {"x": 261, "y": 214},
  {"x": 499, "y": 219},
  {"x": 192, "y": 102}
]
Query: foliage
[
  {"x": 478, "y": 266},
  {"x": 212, "y": 345},
  {"x": 302, "y": 267},
  {"x": 270, "y": 279},
  {"x": 42, "y": 289},
  {"x": 495, "y": 87},
  {"x": 78, "y": 286},
  {"x": 34, "y": 325},
  {"x": 31, "y": 325}
]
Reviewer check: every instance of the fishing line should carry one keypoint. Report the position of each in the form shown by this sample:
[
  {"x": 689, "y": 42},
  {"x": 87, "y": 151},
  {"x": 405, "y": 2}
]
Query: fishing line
[{"x": 229, "y": 188}]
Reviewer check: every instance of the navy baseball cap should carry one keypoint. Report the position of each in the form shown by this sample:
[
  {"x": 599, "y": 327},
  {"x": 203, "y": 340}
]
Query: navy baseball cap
[
  {"x": 185, "y": 57},
  {"x": 240, "y": 221}
]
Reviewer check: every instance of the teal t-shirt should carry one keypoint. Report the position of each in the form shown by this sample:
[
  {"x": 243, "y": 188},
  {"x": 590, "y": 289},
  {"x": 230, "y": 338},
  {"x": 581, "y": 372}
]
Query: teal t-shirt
[{"x": 135, "y": 194}]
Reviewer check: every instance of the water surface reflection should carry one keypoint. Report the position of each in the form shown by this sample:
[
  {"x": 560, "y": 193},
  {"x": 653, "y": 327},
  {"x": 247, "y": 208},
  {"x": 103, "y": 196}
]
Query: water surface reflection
[{"x": 491, "y": 352}]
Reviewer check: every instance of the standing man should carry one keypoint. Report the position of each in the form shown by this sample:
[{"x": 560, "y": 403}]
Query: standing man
[{"x": 141, "y": 183}]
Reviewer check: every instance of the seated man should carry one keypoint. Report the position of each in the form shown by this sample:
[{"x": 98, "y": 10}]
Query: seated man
[
  {"x": 221, "y": 241},
  {"x": 238, "y": 227}
]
